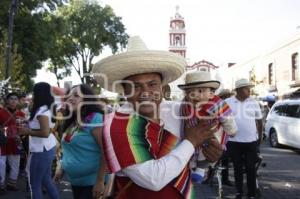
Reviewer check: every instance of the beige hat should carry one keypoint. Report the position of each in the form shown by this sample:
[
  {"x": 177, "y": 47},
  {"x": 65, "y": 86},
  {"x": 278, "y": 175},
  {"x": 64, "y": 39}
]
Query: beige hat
[
  {"x": 110, "y": 71},
  {"x": 199, "y": 79},
  {"x": 242, "y": 83}
]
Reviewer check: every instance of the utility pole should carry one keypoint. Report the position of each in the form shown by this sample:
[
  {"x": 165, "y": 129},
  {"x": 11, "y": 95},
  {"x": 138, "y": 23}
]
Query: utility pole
[{"x": 12, "y": 13}]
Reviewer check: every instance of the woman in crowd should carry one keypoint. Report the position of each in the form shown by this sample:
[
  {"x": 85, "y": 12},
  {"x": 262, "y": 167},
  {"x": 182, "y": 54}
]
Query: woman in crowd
[
  {"x": 42, "y": 142},
  {"x": 82, "y": 157}
]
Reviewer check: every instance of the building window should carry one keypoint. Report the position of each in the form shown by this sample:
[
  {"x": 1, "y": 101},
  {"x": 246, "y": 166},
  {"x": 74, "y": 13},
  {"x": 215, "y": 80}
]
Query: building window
[
  {"x": 177, "y": 41},
  {"x": 295, "y": 67},
  {"x": 203, "y": 69},
  {"x": 271, "y": 73}
]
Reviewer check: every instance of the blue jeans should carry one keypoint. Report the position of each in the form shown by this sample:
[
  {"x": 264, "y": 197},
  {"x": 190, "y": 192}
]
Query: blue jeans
[{"x": 40, "y": 174}]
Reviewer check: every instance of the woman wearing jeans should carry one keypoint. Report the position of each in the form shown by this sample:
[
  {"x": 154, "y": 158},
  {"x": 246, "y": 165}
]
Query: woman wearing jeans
[{"x": 42, "y": 143}]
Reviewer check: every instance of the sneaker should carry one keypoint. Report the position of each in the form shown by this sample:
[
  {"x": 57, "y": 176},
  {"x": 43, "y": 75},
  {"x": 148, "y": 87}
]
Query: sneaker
[{"x": 198, "y": 175}]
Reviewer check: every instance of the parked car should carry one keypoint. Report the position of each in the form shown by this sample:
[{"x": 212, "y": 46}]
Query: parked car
[{"x": 283, "y": 123}]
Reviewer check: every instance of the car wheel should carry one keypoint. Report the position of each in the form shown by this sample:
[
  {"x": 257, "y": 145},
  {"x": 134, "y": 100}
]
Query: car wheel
[{"x": 273, "y": 138}]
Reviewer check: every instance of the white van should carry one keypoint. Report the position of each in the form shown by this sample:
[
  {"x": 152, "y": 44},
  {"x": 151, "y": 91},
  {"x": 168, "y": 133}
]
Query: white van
[{"x": 283, "y": 123}]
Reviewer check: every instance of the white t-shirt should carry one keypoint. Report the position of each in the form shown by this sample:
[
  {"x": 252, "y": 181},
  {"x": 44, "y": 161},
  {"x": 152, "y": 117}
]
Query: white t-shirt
[
  {"x": 37, "y": 144},
  {"x": 170, "y": 116},
  {"x": 245, "y": 113}
]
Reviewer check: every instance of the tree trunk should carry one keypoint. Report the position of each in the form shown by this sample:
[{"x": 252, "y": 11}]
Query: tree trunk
[{"x": 12, "y": 12}]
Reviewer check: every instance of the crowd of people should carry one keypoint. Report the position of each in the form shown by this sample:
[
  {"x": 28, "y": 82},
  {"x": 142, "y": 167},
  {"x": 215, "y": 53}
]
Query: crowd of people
[{"x": 148, "y": 147}]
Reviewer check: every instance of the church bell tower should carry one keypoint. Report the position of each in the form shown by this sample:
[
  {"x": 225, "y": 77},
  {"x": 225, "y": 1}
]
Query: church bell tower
[{"x": 177, "y": 34}]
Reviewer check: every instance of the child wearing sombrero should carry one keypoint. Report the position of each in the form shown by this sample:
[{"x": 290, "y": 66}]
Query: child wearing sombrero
[{"x": 201, "y": 105}]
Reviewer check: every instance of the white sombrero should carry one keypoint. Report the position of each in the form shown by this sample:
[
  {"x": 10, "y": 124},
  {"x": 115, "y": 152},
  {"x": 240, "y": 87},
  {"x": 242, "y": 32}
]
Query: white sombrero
[
  {"x": 242, "y": 83},
  {"x": 110, "y": 71},
  {"x": 199, "y": 79}
]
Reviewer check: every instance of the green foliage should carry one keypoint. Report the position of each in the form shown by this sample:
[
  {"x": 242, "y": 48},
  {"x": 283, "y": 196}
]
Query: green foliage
[
  {"x": 253, "y": 78},
  {"x": 30, "y": 34},
  {"x": 18, "y": 77},
  {"x": 86, "y": 28},
  {"x": 69, "y": 34}
]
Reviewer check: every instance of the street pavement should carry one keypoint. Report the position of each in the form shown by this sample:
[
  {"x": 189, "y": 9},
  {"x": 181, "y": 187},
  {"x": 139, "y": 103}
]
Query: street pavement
[
  {"x": 63, "y": 187},
  {"x": 280, "y": 179}
]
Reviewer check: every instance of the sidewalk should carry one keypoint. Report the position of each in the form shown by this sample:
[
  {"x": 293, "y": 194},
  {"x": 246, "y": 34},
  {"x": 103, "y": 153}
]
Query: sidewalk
[
  {"x": 202, "y": 191},
  {"x": 63, "y": 188},
  {"x": 279, "y": 179},
  {"x": 205, "y": 191}
]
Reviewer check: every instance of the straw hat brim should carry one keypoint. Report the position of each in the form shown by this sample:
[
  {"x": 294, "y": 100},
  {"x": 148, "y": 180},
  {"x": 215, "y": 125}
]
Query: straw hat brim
[
  {"x": 203, "y": 84},
  {"x": 110, "y": 71}
]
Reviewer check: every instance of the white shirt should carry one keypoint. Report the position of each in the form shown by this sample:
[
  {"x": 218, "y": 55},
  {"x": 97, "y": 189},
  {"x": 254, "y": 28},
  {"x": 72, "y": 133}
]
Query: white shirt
[
  {"x": 37, "y": 144},
  {"x": 245, "y": 113},
  {"x": 156, "y": 174}
]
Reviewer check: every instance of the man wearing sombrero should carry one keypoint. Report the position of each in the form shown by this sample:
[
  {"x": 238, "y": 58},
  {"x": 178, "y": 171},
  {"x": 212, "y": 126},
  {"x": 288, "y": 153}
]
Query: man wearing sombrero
[
  {"x": 141, "y": 139},
  {"x": 243, "y": 147}
]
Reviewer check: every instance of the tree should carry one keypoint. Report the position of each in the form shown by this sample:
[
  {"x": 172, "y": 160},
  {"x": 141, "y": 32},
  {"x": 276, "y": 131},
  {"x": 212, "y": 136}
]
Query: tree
[
  {"x": 87, "y": 29},
  {"x": 17, "y": 77},
  {"x": 30, "y": 33},
  {"x": 58, "y": 72},
  {"x": 58, "y": 65},
  {"x": 254, "y": 80}
]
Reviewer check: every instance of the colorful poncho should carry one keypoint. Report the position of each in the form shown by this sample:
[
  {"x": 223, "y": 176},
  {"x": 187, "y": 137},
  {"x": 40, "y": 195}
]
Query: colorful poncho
[{"x": 131, "y": 139}]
